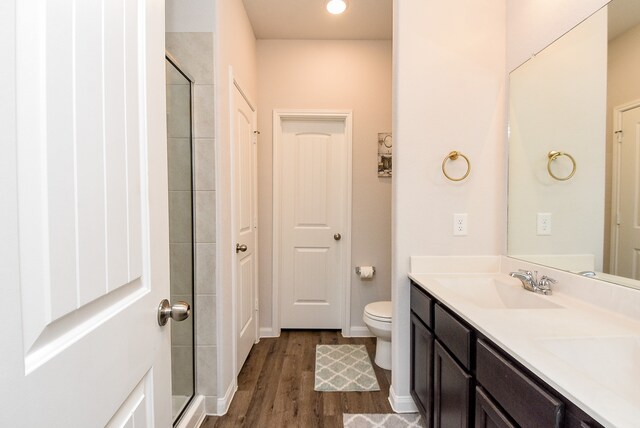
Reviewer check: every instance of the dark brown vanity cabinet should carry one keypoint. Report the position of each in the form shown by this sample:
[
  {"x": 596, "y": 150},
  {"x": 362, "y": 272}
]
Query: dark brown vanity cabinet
[
  {"x": 441, "y": 383},
  {"x": 460, "y": 379}
]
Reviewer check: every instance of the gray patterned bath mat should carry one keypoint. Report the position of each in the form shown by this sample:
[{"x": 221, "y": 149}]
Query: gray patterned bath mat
[
  {"x": 344, "y": 368},
  {"x": 382, "y": 420}
]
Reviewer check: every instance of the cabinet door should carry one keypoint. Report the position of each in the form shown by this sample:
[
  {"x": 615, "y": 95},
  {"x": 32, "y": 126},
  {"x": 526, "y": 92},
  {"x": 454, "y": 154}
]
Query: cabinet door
[
  {"x": 488, "y": 414},
  {"x": 451, "y": 391},
  {"x": 422, "y": 368}
]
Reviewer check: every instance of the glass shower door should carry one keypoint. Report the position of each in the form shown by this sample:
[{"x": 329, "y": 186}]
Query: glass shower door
[{"x": 181, "y": 231}]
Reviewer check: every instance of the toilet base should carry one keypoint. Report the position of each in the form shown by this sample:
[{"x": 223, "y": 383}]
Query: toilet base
[{"x": 383, "y": 354}]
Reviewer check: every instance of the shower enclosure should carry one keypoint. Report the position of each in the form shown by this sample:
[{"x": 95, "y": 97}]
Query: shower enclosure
[{"x": 181, "y": 230}]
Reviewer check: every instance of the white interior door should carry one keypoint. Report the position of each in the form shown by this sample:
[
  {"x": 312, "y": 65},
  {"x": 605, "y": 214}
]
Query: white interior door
[
  {"x": 84, "y": 219},
  {"x": 627, "y": 253},
  {"x": 313, "y": 211},
  {"x": 246, "y": 226}
]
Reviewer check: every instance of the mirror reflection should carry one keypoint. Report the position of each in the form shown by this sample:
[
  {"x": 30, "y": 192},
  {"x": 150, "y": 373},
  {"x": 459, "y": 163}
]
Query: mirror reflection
[{"x": 574, "y": 156}]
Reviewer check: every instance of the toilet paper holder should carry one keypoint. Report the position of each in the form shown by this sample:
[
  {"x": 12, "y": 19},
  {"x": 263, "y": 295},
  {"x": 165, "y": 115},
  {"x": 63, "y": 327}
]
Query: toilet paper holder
[{"x": 358, "y": 270}]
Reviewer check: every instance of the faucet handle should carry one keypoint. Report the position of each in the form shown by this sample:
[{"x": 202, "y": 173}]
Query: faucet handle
[
  {"x": 526, "y": 272},
  {"x": 545, "y": 278},
  {"x": 533, "y": 275},
  {"x": 545, "y": 282}
]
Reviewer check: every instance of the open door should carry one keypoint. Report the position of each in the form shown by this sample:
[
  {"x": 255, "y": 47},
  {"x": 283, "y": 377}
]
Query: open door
[
  {"x": 84, "y": 219},
  {"x": 246, "y": 215}
]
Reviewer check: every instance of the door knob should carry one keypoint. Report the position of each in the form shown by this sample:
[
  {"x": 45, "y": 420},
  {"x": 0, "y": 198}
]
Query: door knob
[
  {"x": 337, "y": 237},
  {"x": 179, "y": 311},
  {"x": 241, "y": 248}
]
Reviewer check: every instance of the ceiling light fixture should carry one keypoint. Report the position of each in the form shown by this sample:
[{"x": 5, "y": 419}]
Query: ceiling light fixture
[{"x": 336, "y": 7}]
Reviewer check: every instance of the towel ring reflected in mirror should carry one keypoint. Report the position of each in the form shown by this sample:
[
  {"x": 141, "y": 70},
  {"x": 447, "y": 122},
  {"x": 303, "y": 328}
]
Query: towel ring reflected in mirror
[
  {"x": 553, "y": 155},
  {"x": 454, "y": 156}
]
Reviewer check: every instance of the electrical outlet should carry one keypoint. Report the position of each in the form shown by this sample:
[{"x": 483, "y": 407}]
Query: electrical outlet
[
  {"x": 460, "y": 224},
  {"x": 543, "y": 227}
]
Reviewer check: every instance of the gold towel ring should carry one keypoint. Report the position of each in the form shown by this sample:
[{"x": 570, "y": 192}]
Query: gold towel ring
[
  {"x": 553, "y": 155},
  {"x": 453, "y": 156}
]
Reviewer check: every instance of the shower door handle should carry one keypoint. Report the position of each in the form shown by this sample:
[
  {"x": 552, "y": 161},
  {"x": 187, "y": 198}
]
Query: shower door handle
[{"x": 179, "y": 311}]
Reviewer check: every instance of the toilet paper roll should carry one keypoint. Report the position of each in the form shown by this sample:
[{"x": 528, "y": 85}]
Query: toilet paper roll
[{"x": 366, "y": 272}]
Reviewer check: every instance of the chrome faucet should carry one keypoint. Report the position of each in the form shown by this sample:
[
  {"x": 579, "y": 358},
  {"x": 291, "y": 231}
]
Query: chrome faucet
[{"x": 530, "y": 281}]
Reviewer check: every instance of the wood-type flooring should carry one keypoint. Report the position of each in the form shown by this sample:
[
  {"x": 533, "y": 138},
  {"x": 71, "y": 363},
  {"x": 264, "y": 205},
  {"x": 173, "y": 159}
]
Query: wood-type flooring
[{"x": 275, "y": 386}]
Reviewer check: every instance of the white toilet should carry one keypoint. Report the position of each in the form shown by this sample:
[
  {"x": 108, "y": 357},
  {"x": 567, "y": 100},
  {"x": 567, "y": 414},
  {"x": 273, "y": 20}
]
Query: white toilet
[{"x": 377, "y": 317}]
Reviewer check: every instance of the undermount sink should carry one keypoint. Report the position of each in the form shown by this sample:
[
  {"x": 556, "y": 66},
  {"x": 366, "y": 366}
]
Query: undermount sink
[
  {"x": 605, "y": 360},
  {"x": 494, "y": 293}
]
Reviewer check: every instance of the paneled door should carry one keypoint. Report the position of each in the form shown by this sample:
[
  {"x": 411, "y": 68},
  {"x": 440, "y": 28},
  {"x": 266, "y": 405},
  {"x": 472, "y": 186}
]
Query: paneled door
[
  {"x": 84, "y": 221},
  {"x": 627, "y": 166},
  {"x": 245, "y": 156},
  {"x": 313, "y": 220}
]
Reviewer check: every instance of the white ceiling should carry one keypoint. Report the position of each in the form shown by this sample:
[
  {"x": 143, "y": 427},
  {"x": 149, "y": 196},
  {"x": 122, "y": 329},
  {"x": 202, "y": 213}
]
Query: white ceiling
[{"x": 309, "y": 19}]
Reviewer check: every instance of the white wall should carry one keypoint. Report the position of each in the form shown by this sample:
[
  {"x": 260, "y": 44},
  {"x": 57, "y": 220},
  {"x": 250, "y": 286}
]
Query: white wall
[
  {"x": 558, "y": 102},
  {"x": 234, "y": 48},
  {"x": 449, "y": 94},
  {"x": 323, "y": 74}
]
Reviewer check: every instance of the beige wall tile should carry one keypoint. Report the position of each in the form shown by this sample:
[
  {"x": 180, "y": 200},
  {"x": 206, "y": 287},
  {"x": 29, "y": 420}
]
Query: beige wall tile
[
  {"x": 205, "y": 216},
  {"x": 205, "y": 164},
  {"x": 178, "y": 111},
  {"x": 179, "y": 163},
  {"x": 181, "y": 268},
  {"x": 207, "y": 370},
  {"x": 205, "y": 268},
  {"x": 206, "y": 320},
  {"x": 203, "y": 114},
  {"x": 182, "y": 370},
  {"x": 180, "y": 217}
]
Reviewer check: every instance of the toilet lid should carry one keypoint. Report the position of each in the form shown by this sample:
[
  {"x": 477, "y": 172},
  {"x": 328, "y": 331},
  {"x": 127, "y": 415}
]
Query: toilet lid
[{"x": 379, "y": 310}]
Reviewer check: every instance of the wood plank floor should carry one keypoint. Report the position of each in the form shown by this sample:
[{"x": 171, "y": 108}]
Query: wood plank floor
[{"x": 275, "y": 386}]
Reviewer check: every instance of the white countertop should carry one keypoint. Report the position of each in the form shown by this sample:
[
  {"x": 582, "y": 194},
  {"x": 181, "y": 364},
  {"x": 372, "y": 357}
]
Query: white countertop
[{"x": 589, "y": 354}]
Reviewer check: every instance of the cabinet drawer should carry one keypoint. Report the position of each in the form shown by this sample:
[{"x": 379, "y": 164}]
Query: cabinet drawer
[
  {"x": 457, "y": 337},
  {"x": 525, "y": 402},
  {"x": 422, "y": 305}
]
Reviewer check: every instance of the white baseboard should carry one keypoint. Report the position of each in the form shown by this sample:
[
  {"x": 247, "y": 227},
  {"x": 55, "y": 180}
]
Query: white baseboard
[
  {"x": 359, "y": 331},
  {"x": 401, "y": 403},
  {"x": 268, "y": 332},
  {"x": 225, "y": 402},
  {"x": 194, "y": 415}
]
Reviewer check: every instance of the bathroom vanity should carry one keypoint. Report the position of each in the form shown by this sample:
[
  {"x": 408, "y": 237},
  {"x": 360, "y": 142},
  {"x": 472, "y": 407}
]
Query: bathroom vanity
[{"x": 487, "y": 353}]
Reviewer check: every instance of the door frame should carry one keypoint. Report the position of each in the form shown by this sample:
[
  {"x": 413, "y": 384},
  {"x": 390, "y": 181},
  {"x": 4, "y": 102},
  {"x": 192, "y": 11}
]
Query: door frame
[
  {"x": 615, "y": 179},
  {"x": 233, "y": 86},
  {"x": 278, "y": 116}
]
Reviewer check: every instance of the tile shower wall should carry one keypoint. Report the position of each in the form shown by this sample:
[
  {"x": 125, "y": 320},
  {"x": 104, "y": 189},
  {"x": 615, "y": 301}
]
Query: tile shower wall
[{"x": 194, "y": 52}]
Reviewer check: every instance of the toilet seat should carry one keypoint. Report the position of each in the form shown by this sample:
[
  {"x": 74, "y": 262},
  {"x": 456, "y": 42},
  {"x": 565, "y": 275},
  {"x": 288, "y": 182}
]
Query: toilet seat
[{"x": 379, "y": 311}]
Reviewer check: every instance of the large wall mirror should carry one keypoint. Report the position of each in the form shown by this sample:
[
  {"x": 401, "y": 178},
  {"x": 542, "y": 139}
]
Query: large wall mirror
[{"x": 574, "y": 150}]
